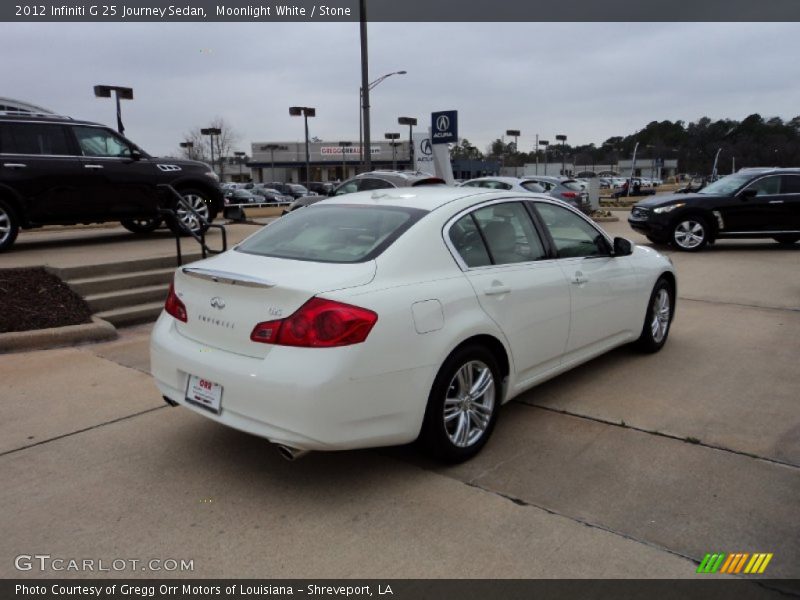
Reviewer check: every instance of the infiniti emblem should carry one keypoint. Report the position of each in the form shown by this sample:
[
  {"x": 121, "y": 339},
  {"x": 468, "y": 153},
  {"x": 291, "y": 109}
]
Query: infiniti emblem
[{"x": 218, "y": 302}]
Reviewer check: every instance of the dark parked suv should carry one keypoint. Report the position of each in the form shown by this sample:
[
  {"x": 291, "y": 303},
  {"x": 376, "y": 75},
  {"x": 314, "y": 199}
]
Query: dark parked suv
[
  {"x": 60, "y": 171},
  {"x": 753, "y": 203}
]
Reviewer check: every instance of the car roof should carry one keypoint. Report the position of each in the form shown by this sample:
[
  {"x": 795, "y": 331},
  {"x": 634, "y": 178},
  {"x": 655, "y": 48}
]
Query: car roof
[
  {"x": 41, "y": 118},
  {"x": 425, "y": 197}
]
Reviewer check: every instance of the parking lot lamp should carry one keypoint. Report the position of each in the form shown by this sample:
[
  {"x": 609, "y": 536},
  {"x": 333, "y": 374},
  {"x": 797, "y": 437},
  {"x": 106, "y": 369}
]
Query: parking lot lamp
[
  {"x": 411, "y": 122},
  {"x": 545, "y": 143},
  {"x": 633, "y": 170},
  {"x": 344, "y": 145},
  {"x": 392, "y": 137},
  {"x": 562, "y": 138},
  {"x": 187, "y": 146},
  {"x": 211, "y": 132},
  {"x": 240, "y": 159},
  {"x": 305, "y": 111},
  {"x": 515, "y": 134},
  {"x": 120, "y": 93},
  {"x": 363, "y": 113},
  {"x": 272, "y": 148}
]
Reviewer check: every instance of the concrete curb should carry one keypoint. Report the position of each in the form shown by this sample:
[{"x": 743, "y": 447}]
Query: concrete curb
[
  {"x": 605, "y": 219},
  {"x": 55, "y": 337}
]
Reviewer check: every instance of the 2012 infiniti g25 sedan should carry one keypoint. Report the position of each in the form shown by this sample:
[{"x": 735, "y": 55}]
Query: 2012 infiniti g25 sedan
[{"x": 381, "y": 317}]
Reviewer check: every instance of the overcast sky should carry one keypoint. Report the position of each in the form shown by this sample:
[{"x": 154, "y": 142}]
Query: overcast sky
[{"x": 589, "y": 81}]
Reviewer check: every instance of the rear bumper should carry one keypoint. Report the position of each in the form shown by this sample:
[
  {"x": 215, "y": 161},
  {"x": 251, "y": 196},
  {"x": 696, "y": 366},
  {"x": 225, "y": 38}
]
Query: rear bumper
[{"x": 302, "y": 397}]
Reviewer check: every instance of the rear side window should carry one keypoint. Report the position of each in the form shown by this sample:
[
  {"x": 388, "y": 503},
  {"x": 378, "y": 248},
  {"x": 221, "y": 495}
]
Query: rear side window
[
  {"x": 333, "y": 233},
  {"x": 509, "y": 233},
  {"x": 33, "y": 138},
  {"x": 572, "y": 185},
  {"x": 532, "y": 186},
  {"x": 468, "y": 243},
  {"x": 790, "y": 184},
  {"x": 369, "y": 183}
]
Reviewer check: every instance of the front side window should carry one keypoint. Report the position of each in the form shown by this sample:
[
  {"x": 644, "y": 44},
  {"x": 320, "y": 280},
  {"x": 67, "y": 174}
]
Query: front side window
[
  {"x": 33, "y": 138},
  {"x": 95, "y": 141},
  {"x": 333, "y": 233},
  {"x": 766, "y": 186},
  {"x": 509, "y": 233},
  {"x": 572, "y": 235}
]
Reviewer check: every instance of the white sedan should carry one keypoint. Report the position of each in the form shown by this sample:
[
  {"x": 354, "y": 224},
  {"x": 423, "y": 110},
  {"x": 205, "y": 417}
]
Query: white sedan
[{"x": 382, "y": 317}]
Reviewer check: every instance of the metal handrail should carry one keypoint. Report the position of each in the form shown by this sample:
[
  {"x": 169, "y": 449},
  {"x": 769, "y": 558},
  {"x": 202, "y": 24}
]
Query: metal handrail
[{"x": 200, "y": 237}]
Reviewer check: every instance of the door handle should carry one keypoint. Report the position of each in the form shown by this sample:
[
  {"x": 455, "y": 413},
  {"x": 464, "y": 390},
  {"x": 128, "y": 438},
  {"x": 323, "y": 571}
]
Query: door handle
[
  {"x": 579, "y": 278},
  {"x": 496, "y": 290},
  {"x": 92, "y": 166},
  {"x": 14, "y": 165},
  {"x": 776, "y": 201}
]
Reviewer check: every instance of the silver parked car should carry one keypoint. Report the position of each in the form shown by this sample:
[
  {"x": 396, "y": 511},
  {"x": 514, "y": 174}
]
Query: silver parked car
[{"x": 566, "y": 190}]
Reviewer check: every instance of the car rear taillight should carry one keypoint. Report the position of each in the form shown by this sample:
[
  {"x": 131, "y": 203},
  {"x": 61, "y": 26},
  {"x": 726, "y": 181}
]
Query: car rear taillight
[
  {"x": 571, "y": 195},
  {"x": 174, "y": 306},
  {"x": 319, "y": 323}
]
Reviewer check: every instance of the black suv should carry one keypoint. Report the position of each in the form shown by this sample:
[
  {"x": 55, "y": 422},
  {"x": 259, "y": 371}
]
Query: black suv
[
  {"x": 753, "y": 203},
  {"x": 60, "y": 171}
]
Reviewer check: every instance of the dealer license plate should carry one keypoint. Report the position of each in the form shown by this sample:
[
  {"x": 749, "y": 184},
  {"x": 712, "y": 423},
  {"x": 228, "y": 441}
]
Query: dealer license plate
[{"x": 204, "y": 393}]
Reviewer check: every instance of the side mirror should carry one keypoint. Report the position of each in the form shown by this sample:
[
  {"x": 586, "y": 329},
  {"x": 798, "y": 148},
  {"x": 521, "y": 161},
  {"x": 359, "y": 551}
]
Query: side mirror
[
  {"x": 332, "y": 192},
  {"x": 136, "y": 154},
  {"x": 748, "y": 194},
  {"x": 622, "y": 247}
]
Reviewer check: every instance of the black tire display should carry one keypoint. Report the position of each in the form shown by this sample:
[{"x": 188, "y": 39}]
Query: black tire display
[
  {"x": 141, "y": 226},
  {"x": 463, "y": 405},
  {"x": 9, "y": 225},
  {"x": 658, "y": 319}
]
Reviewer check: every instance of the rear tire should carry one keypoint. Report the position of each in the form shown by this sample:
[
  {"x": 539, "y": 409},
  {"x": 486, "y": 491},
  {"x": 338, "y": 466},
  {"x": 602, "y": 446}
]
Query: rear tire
[
  {"x": 658, "y": 319},
  {"x": 141, "y": 226},
  {"x": 9, "y": 226},
  {"x": 462, "y": 405},
  {"x": 787, "y": 240},
  {"x": 201, "y": 202}
]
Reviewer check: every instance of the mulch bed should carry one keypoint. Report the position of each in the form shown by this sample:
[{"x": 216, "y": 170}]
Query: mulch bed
[{"x": 35, "y": 299}]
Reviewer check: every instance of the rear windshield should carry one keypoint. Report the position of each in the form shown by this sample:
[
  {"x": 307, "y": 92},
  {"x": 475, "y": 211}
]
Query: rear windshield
[
  {"x": 573, "y": 185},
  {"x": 333, "y": 233}
]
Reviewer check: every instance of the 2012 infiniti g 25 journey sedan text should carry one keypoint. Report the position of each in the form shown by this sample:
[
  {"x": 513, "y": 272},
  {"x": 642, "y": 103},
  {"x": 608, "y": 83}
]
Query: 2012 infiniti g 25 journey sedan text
[{"x": 380, "y": 317}]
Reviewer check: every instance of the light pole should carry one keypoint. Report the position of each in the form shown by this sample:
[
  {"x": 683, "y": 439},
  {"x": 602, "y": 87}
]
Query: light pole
[
  {"x": 211, "y": 132},
  {"x": 363, "y": 113},
  {"x": 187, "y": 146},
  {"x": 306, "y": 111},
  {"x": 272, "y": 148},
  {"x": 714, "y": 168},
  {"x": 392, "y": 137},
  {"x": 344, "y": 145},
  {"x": 411, "y": 122},
  {"x": 633, "y": 170},
  {"x": 120, "y": 93},
  {"x": 545, "y": 143},
  {"x": 562, "y": 138},
  {"x": 240, "y": 159},
  {"x": 515, "y": 134}
]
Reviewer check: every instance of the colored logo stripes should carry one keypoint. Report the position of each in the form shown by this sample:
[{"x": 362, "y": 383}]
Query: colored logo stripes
[{"x": 738, "y": 562}]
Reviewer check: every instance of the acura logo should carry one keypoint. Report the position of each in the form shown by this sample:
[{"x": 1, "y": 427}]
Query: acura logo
[
  {"x": 217, "y": 302},
  {"x": 425, "y": 146},
  {"x": 442, "y": 122}
]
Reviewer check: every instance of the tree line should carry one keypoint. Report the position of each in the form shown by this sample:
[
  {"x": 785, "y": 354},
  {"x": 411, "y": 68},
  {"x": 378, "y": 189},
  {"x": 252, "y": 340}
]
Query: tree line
[{"x": 752, "y": 142}]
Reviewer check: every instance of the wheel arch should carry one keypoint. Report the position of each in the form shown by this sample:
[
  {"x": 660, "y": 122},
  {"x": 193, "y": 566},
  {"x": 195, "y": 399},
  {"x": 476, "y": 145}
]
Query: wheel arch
[
  {"x": 15, "y": 202},
  {"x": 495, "y": 347},
  {"x": 697, "y": 211}
]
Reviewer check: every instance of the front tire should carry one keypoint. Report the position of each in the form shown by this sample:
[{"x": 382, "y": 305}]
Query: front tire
[
  {"x": 9, "y": 226},
  {"x": 141, "y": 226},
  {"x": 658, "y": 319},
  {"x": 463, "y": 405},
  {"x": 690, "y": 233},
  {"x": 186, "y": 220}
]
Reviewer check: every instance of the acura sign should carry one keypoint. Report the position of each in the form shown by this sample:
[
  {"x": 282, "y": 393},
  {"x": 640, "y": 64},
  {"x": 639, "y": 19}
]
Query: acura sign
[{"x": 444, "y": 127}]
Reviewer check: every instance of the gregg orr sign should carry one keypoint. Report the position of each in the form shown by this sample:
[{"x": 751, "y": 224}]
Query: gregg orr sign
[{"x": 444, "y": 127}]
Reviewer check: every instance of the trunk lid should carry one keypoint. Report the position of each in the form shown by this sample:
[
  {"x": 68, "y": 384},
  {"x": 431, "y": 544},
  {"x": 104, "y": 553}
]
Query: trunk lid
[{"x": 225, "y": 296}]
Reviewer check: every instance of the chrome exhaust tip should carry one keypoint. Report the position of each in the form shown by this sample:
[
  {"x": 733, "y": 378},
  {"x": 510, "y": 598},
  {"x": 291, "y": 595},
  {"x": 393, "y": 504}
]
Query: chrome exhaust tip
[{"x": 291, "y": 454}]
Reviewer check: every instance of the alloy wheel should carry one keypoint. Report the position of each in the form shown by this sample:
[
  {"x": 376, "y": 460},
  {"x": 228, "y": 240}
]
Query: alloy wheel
[
  {"x": 5, "y": 225},
  {"x": 661, "y": 315},
  {"x": 689, "y": 234},
  {"x": 469, "y": 404},
  {"x": 187, "y": 218}
]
